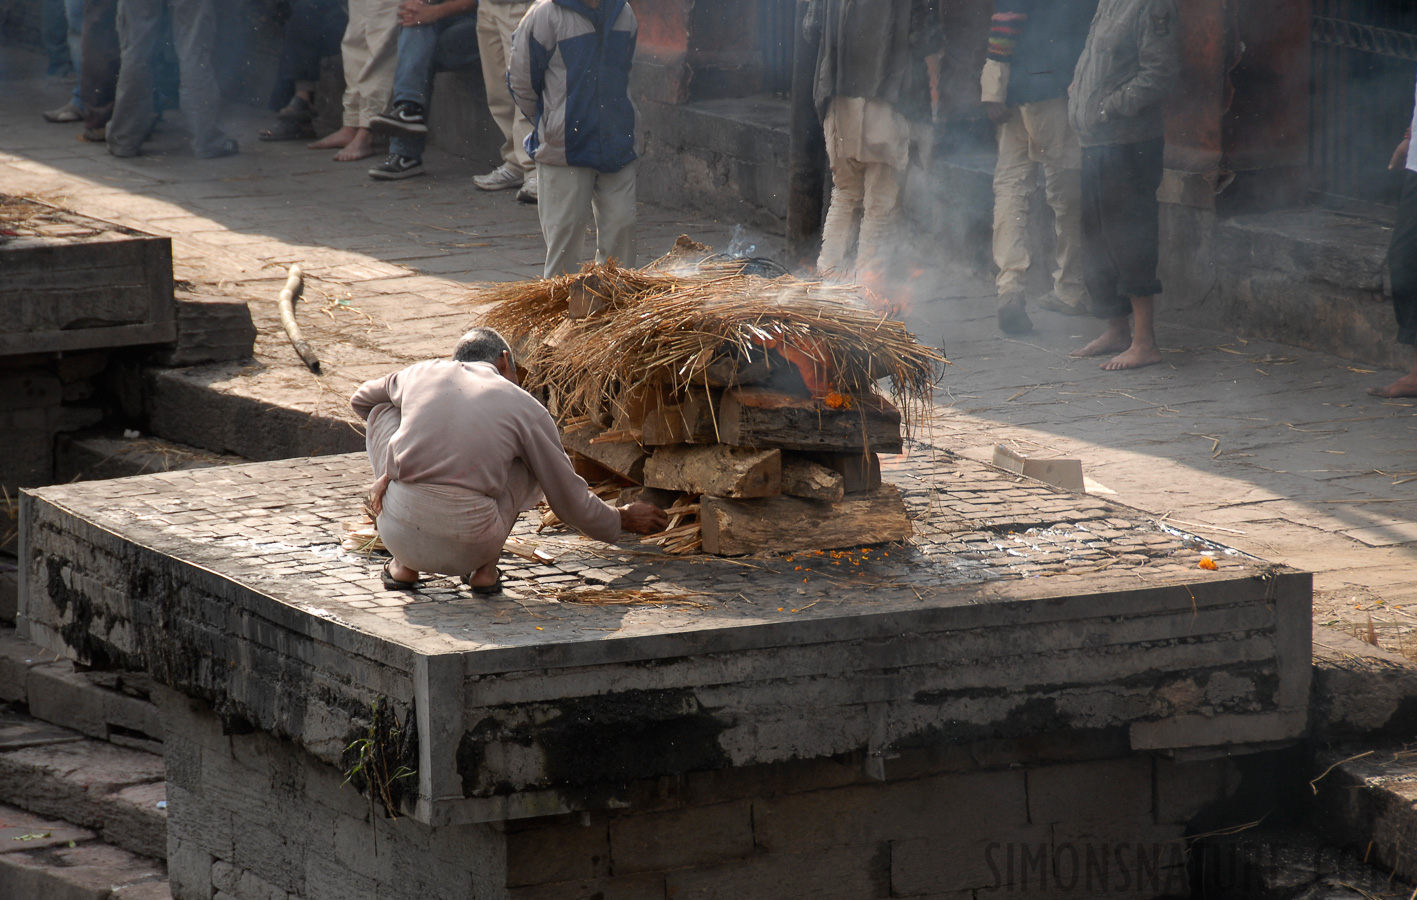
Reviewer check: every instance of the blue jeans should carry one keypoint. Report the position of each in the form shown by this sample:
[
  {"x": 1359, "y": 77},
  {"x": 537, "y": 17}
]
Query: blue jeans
[
  {"x": 74, "y": 15},
  {"x": 424, "y": 51}
]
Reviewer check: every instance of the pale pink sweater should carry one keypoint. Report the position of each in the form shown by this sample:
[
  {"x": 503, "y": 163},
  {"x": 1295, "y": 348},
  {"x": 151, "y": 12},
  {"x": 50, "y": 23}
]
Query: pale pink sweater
[{"x": 463, "y": 425}]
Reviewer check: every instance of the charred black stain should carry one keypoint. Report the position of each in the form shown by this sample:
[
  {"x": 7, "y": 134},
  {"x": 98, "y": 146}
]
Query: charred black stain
[
  {"x": 600, "y": 741},
  {"x": 77, "y": 608}
]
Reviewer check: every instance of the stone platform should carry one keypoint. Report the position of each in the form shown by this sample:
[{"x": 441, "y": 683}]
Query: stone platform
[{"x": 1018, "y": 610}]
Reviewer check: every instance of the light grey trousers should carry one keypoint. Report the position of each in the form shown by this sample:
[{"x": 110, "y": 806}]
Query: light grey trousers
[
  {"x": 568, "y": 197},
  {"x": 194, "y": 36}
]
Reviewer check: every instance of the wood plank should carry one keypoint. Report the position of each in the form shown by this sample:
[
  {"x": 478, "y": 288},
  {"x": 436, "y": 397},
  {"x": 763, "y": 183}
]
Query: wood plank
[
  {"x": 753, "y": 417},
  {"x": 716, "y": 469},
  {"x": 788, "y": 524},
  {"x": 859, "y": 471},
  {"x": 624, "y": 459},
  {"x": 801, "y": 477},
  {"x": 732, "y": 369},
  {"x": 690, "y": 421}
]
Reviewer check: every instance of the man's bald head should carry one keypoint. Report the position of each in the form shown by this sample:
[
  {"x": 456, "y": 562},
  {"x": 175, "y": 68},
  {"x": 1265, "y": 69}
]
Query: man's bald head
[{"x": 482, "y": 345}]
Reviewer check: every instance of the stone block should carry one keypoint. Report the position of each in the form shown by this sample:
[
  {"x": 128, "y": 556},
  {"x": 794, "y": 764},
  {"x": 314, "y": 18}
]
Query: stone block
[
  {"x": 355, "y": 845},
  {"x": 225, "y": 876},
  {"x": 1185, "y": 789},
  {"x": 1110, "y": 789},
  {"x": 17, "y": 657},
  {"x": 1360, "y": 692},
  {"x": 642, "y": 886},
  {"x": 29, "y": 389},
  {"x": 842, "y": 873},
  {"x": 65, "y": 697},
  {"x": 81, "y": 872},
  {"x": 198, "y": 825},
  {"x": 183, "y": 762},
  {"x": 942, "y": 865},
  {"x": 189, "y": 869},
  {"x": 151, "y": 890},
  {"x": 73, "y": 781},
  {"x": 565, "y": 852},
  {"x": 135, "y": 821},
  {"x": 209, "y": 329},
  {"x": 700, "y": 836},
  {"x": 262, "y": 845},
  {"x": 957, "y": 804},
  {"x": 326, "y": 879}
]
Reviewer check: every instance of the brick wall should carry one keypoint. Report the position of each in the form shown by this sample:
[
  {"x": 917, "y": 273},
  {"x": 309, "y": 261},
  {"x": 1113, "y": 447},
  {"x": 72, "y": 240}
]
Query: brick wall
[{"x": 254, "y": 817}]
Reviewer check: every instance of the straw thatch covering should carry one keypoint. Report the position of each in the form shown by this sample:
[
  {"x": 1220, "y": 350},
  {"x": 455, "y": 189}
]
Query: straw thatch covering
[{"x": 666, "y": 327}]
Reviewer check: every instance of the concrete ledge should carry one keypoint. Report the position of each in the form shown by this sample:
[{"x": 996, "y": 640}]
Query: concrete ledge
[
  {"x": 46, "y": 859},
  {"x": 1368, "y": 804},
  {"x": 231, "y": 588}
]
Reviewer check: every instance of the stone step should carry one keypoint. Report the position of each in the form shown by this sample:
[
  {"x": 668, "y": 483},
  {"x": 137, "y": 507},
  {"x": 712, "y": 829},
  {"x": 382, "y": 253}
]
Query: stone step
[
  {"x": 1280, "y": 863},
  {"x": 50, "y": 859},
  {"x": 117, "y": 792},
  {"x": 111, "y": 706},
  {"x": 86, "y": 456},
  {"x": 1361, "y": 693},
  {"x": 1366, "y": 800}
]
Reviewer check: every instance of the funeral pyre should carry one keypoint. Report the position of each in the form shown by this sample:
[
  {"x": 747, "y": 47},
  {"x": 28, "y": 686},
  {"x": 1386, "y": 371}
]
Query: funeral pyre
[{"x": 746, "y": 405}]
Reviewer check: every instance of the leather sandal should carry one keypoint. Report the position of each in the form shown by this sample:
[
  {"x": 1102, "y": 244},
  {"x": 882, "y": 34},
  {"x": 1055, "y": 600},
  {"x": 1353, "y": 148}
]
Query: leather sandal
[
  {"x": 393, "y": 584},
  {"x": 493, "y": 588}
]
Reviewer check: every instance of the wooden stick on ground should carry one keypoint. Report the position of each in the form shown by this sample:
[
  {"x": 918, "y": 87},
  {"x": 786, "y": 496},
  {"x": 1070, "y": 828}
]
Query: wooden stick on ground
[{"x": 294, "y": 285}]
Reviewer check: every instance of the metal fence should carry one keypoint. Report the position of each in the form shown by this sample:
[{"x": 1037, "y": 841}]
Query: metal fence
[{"x": 1364, "y": 59}]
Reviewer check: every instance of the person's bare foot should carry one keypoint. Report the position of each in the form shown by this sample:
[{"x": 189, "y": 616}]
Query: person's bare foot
[
  {"x": 335, "y": 139},
  {"x": 1406, "y": 386},
  {"x": 1133, "y": 357},
  {"x": 485, "y": 576},
  {"x": 360, "y": 146},
  {"x": 1106, "y": 345}
]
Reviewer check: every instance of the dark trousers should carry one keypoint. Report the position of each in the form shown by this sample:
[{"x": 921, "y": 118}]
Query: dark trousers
[
  {"x": 99, "y": 79},
  {"x": 1120, "y": 227},
  {"x": 313, "y": 32},
  {"x": 1402, "y": 260}
]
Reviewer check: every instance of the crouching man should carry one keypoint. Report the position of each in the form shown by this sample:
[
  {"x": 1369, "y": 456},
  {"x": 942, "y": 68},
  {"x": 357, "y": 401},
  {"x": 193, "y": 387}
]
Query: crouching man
[{"x": 458, "y": 450}]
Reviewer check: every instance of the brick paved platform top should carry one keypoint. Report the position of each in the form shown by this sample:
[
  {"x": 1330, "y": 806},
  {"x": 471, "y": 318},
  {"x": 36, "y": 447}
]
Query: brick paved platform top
[{"x": 230, "y": 584}]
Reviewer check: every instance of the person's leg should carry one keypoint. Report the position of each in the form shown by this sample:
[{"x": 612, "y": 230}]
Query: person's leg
[
  {"x": 74, "y": 37},
  {"x": 139, "y": 25},
  {"x": 880, "y": 211},
  {"x": 1014, "y": 180},
  {"x": 54, "y": 38},
  {"x": 102, "y": 56},
  {"x": 1099, "y": 271},
  {"x": 613, "y": 204},
  {"x": 375, "y": 79},
  {"x": 565, "y": 211},
  {"x": 457, "y": 43},
  {"x": 1057, "y": 147},
  {"x": 354, "y": 55},
  {"x": 1135, "y": 236},
  {"x": 413, "y": 71},
  {"x": 495, "y": 24},
  {"x": 194, "y": 35},
  {"x": 1402, "y": 264}
]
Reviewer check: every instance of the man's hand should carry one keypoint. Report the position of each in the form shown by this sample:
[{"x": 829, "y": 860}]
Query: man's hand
[
  {"x": 376, "y": 495},
  {"x": 1399, "y": 156},
  {"x": 643, "y": 518},
  {"x": 418, "y": 12},
  {"x": 998, "y": 113}
]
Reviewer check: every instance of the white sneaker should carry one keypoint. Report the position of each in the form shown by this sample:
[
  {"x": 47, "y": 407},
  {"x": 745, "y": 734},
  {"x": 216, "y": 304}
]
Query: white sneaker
[
  {"x": 528, "y": 192},
  {"x": 501, "y": 178}
]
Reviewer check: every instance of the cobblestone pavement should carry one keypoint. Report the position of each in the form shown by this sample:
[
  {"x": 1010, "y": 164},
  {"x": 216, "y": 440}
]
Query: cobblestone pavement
[
  {"x": 1265, "y": 447},
  {"x": 275, "y": 527}
]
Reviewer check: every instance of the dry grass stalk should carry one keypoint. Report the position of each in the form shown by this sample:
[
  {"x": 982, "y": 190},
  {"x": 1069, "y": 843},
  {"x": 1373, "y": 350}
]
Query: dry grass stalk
[{"x": 660, "y": 328}]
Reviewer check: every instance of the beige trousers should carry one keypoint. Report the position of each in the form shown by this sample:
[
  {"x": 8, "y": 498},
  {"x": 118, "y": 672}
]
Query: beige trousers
[
  {"x": 438, "y": 528},
  {"x": 864, "y": 200},
  {"x": 495, "y": 24},
  {"x": 1039, "y": 133},
  {"x": 370, "y": 52},
  {"x": 568, "y": 196}
]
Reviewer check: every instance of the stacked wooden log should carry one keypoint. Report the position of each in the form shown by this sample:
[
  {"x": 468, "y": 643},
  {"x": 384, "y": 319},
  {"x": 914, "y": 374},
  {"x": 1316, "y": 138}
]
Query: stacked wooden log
[{"x": 745, "y": 406}]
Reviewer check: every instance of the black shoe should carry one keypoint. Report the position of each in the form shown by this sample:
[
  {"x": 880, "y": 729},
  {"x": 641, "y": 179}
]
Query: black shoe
[
  {"x": 404, "y": 120},
  {"x": 395, "y": 167},
  {"x": 228, "y": 147},
  {"x": 1013, "y": 315}
]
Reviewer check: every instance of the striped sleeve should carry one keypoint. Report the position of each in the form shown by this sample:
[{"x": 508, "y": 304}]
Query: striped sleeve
[{"x": 1005, "y": 29}]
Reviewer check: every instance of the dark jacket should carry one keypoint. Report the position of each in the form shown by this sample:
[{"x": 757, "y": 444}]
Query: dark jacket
[
  {"x": 570, "y": 75},
  {"x": 1131, "y": 62},
  {"x": 1041, "y": 41},
  {"x": 875, "y": 49}
]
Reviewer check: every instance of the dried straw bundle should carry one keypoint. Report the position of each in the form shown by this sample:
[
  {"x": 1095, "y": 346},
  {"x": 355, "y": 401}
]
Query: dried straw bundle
[{"x": 658, "y": 328}]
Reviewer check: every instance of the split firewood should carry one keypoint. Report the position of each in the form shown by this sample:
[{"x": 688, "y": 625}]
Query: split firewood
[
  {"x": 655, "y": 496},
  {"x": 626, "y": 459},
  {"x": 810, "y": 480},
  {"x": 716, "y": 469},
  {"x": 734, "y": 369},
  {"x": 667, "y": 534},
  {"x": 529, "y": 552},
  {"x": 788, "y": 524},
  {"x": 859, "y": 471},
  {"x": 753, "y": 417},
  {"x": 690, "y": 421},
  {"x": 617, "y": 437}
]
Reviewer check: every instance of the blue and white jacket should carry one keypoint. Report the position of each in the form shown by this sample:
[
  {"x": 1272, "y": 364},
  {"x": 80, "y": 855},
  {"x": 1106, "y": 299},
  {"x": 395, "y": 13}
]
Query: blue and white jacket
[{"x": 570, "y": 75}]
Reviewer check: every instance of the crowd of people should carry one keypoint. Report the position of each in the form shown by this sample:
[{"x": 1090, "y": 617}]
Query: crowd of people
[{"x": 1074, "y": 86}]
